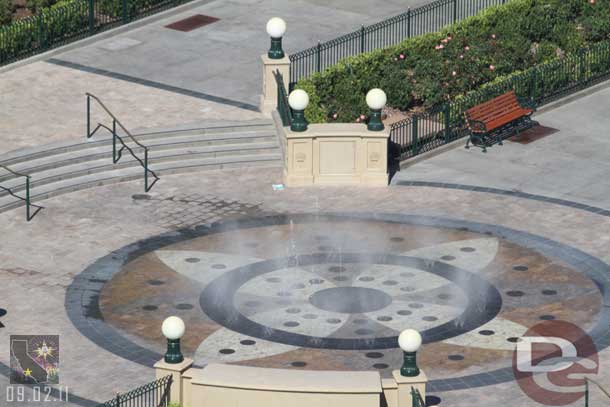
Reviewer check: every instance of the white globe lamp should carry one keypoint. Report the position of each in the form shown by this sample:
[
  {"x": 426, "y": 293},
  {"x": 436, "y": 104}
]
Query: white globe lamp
[
  {"x": 376, "y": 100},
  {"x": 298, "y": 101},
  {"x": 276, "y": 27},
  {"x": 173, "y": 329},
  {"x": 409, "y": 341}
]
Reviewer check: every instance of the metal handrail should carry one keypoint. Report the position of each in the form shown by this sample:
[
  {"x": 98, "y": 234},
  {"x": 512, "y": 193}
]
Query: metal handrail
[
  {"x": 416, "y": 399},
  {"x": 599, "y": 386},
  {"x": 29, "y": 215},
  {"x": 117, "y": 154}
]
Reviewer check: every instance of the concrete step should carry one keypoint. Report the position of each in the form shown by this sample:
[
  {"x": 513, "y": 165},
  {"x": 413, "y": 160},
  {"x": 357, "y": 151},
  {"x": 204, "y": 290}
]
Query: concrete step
[
  {"x": 221, "y": 134},
  {"x": 72, "y": 184},
  {"x": 186, "y": 147}
]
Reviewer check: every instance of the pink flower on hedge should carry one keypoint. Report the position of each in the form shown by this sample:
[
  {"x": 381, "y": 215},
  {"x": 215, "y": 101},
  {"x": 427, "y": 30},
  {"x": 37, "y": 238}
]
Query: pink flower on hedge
[
  {"x": 358, "y": 120},
  {"x": 492, "y": 67},
  {"x": 441, "y": 46},
  {"x": 592, "y": 1},
  {"x": 335, "y": 116},
  {"x": 402, "y": 56},
  {"x": 454, "y": 73},
  {"x": 444, "y": 41},
  {"x": 493, "y": 36},
  {"x": 449, "y": 37},
  {"x": 395, "y": 59},
  {"x": 362, "y": 117},
  {"x": 467, "y": 48},
  {"x": 462, "y": 56}
]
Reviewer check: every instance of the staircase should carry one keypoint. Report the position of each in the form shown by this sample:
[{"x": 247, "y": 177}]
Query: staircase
[{"x": 70, "y": 166}]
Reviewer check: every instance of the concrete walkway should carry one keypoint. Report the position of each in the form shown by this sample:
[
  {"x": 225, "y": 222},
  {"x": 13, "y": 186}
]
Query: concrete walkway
[{"x": 571, "y": 163}]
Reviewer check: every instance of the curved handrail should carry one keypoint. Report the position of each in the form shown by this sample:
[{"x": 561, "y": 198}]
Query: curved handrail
[{"x": 28, "y": 203}]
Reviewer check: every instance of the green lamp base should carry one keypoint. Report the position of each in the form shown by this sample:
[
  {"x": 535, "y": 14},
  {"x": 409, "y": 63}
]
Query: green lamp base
[
  {"x": 173, "y": 354},
  {"x": 276, "y": 51},
  {"x": 299, "y": 123},
  {"x": 409, "y": 367},
  {"x": 375, "y": 123}
]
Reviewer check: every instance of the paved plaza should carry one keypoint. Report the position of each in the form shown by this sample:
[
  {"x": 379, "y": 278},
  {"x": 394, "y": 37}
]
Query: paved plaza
[{"x": 470, "y": 248}]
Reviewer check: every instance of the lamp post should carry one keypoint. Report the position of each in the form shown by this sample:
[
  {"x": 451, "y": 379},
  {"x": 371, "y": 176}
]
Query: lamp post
[
  {"x": 173, "y": 328},
  {"x": 298, "y": 101},
  {"x": 409, "y": 341},
  {"x": 276, "y": 27},
  {"x": 376, "y": 100}
]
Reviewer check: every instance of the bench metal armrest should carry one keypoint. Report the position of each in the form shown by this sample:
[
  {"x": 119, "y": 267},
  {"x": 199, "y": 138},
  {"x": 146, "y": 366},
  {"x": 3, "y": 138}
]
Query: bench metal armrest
[
  {"x": 527, "y": 103},
  {"x": 477, "y": 126}
]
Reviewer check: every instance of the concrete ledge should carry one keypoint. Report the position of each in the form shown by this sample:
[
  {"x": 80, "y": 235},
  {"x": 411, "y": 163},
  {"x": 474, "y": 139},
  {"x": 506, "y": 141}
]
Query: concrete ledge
[{"x": 281, "y": 380}]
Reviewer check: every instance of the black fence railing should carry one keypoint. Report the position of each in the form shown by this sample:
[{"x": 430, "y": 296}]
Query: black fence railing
[
  {"x": 425, "y": 19},
  {"x": 536, "y": 86},
  {"x": 155, "y": 394},
  {"x": 416, "y": 398},
  {"x": 71, "y": 21},
  {"x": 117, "y": 154},
  {"x": 283, "y": 107},
  {"x": 29, "y": 215}
]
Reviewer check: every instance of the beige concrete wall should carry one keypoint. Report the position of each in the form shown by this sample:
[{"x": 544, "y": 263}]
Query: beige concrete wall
[
  {"x": 269, "y": 97},
  {"x": 336, "y": 154}
]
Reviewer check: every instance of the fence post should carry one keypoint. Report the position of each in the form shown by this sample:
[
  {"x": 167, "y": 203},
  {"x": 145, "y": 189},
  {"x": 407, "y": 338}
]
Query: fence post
[
  {"x": 581, "y": 61},
  {"x": 41, "y": 40},
  {"x": 88, "y": 116},
  {"x": 415, "y": 146},
  {"x": 91, "y": 16},
  {"x": 318, "y": 60},
  {"x": 362, "y": 40},
  {"x": 447, "y": 122},
  {"x": 27, "y": 198},
  {"x": 533, "y": 85},
  {"x": 409, "y": 23},
  {"x": 454, "y": 11},
  {"x": 125, "y": 14},
  {"x": 118, "y": 400}
]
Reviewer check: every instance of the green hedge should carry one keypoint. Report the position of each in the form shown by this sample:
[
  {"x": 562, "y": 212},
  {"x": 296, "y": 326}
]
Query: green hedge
[{"x": 437, "y": 67}]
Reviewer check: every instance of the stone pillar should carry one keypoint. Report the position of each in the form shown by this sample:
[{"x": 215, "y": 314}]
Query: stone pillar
[
  {"x": 177, "y": 370},
  {"x": 404, "y": 387},
  {"x": 269, "y": 98}
]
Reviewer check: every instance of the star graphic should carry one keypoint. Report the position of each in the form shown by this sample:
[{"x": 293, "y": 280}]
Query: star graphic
[{"x": 27, "y": 373}]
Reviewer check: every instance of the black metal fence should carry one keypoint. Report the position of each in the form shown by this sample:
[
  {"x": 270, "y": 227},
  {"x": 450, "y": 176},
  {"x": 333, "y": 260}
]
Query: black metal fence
[
  {"x": 283, "y": 107},
  {"x": 425, "y": 19},
  {"x": 65, "y": 23},
  {"x": 536, "y": 86},
  {"x": 155, "y": 394}
]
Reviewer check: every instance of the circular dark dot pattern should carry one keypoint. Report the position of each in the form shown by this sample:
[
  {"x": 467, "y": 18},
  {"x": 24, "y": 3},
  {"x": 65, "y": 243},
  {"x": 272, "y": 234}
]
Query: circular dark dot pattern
[
  {"x": 333, "y": 320},
  {"x": 360, "y": 321},
  {"x": 430, "y": 319},
  {"x": 298, "y": 364},
  {"x": 390, "y": 282},
  {"x": 293, "y": 310},
  {"x": 184, "y": 306},
  {"x": 467, "y": 249},
  {"x": 520, "y": 268},
  {"x": 284, "y": 294},
  {"x": 366, "y": 279},
  {"x": 416, "y": 305},
  {"x": 341, "y": 278},
  {"x": 406, "y": 274},
  {"x": 404, "y": 312},
  {"x": 513, "y": 339},
  {"x": 486, "y": 332},
  {"x": 444, "y": 296},
  {"x": 291, "y": 324},
  {"x": 150, "y": 308},
  {"x": 273, "y": 280},
  {"x": 547, "y": 317},
  {"x": 155, "y": 282},
  {"x": 397, "y": 239},
  {"x": 2, "y": 312},
  {"x": 380, "y": 366},
  {"x": 192, "y": 260},
  {"x": 252, "y": 304},
  {"x": 298, "y": 286},
  {"x": 407, "y": 289},
  {"x": 455, "y": 357},
  {"x": 363, "y": 331},
  {"x": 374, "y": 355},
  {"x": 316, "y": 281},
  {"x": 337, "y": 269},
  {"x": 226, "y": 351},
  {"x": 515, "y": 293},
  {"x": 310, "y": 316},
  {"x": 448, "y": 258},
  {"x": 549, "y": 292},
  {"x": 384, "y": 318},
  {"x": 219, "y": 266},
  {"x": 247, "y": 342}
]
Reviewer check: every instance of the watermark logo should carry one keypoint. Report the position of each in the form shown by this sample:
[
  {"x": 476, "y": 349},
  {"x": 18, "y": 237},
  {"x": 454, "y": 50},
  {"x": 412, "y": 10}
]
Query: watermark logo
[
  {"x": 34, "y": 359},
  {"x": 551, "y": 362}
]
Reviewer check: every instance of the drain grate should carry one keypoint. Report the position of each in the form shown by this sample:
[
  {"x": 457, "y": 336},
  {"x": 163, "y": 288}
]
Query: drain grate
[{"x": 192, "y": 23}]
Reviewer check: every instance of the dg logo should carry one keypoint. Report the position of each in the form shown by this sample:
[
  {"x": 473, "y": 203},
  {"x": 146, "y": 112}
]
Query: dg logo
[{"x": 551, "y": 361}]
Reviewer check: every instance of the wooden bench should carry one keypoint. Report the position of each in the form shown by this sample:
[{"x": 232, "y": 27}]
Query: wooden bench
[{"x": 491, "y": 122}]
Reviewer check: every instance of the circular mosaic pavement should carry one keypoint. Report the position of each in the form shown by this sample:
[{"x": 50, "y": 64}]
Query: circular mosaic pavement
[{"x": 333, "y": 292}]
